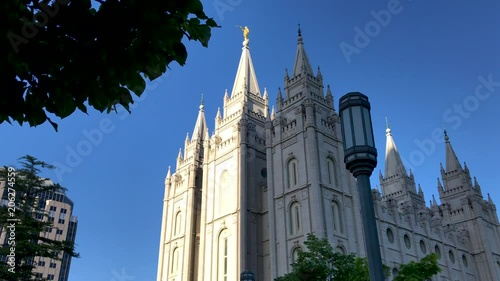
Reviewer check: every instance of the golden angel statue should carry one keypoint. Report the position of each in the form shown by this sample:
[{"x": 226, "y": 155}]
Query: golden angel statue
[{"x": 245, "y": 31}]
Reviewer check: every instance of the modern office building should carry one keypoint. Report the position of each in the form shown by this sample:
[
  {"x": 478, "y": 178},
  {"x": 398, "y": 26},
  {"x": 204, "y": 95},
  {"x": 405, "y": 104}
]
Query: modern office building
[{"x": 59, "y": 210}]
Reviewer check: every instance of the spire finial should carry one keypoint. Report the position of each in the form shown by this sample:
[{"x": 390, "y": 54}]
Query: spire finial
[
  {"x": 201, "y": 101},
  {"x": 387, "y": 128},
  {"x": 299, "y": 31},
  {"x": 446, "y": 138}
]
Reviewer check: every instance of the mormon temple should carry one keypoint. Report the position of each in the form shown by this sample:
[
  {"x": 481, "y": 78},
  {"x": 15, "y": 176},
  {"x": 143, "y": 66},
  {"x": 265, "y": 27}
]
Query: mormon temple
[{"x": 245, "y": 197}]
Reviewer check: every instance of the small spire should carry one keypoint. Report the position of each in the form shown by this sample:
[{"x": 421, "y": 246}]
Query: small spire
[
  {"x": 179, "y": 156},
  {"x": 476, "y": 184},
  {"x": 489, "y": 199},
  {"x": 328, "y": 91},
  {"x": 168, "y": 172},
  {"x": 187, "y": 137},
  {"x": 319, "y": 75},
  {"x": 218, "y": 116},
  {"x": 265, "y": 94},
  {"x": 434, "y": 203},
  {"x": 420, "y": 192},
  {"x": 279, "y": 94},
  {"x": 226, "y": 95},
  {"x": 440, "y": 186},
  {"x": 286, "y": 74},
  {"x": 273, "y": 113}
]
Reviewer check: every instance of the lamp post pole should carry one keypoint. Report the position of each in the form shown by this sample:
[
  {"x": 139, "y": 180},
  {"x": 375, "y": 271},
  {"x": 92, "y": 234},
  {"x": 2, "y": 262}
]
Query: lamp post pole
[{"x": 360, "y": 157}]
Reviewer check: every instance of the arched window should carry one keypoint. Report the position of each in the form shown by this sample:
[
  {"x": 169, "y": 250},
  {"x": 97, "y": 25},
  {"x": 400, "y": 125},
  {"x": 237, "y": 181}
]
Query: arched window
[
  {"x": 295, "y": 218},
  {"x": 332, "y": 172},
  {"x": 177, "y": 223},
  {"x": 175, "y": 261},
  {"x": 337, "y": 218},
  {"x": 223, "y": 255},
  {"x": 293, "y": 177},
  {"x": 295, "y": 254}
]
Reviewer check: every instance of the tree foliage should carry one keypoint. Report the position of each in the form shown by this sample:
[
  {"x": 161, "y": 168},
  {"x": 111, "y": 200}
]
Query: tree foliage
[
  {"x": 320, "y": 263},
  {"x": 419, "y": 271},
  {"x": 23, "y": 187},
  {"x": 65, "y": 55}
]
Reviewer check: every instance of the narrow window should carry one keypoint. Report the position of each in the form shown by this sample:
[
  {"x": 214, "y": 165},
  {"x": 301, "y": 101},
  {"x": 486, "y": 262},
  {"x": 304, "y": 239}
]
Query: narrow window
[
  {"x": 295, "y": 221},
  {"x": 293, "y": 177},
  {"x": 177, "y": 224},
  {"x": 223, "y": 256},
  {"x": 175, "y": 261},
  {"x": 337, "y": 218},
  {"x": 331, "y": 171}
]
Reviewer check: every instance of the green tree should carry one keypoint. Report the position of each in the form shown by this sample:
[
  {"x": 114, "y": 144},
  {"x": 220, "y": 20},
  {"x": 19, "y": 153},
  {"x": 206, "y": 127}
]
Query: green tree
[
  {"x": 320, "y": 263},
  {"x": 65, "y": 55},
  {"x": 22, "y": 216},
  {"x": 419, "y": 271}
]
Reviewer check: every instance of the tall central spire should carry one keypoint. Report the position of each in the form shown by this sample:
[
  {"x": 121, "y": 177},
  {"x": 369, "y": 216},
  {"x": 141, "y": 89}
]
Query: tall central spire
[
  {"x": 302, "y": 63},
  {"x": 393, "y": 163},
  {"x": 452, "y": 162},
  {"x": 245, "y": 80}
]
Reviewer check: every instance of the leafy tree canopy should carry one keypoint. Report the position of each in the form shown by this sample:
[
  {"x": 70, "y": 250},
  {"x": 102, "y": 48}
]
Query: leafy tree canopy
[
  {"x": 320, "y": 263},
  {"x": 25, "y": 223},
  {"x": 63, "y": 55}
]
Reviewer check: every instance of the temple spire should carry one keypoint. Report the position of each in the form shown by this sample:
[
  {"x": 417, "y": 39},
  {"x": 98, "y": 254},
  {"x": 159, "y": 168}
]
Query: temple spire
[
  {"x": 452, "y": 162},
  {"x": 302, "y": 63},
  {"x": 245, "y": 76},
  {"x": 393, "y": 163},
  {"x": 200, "y": 127}
]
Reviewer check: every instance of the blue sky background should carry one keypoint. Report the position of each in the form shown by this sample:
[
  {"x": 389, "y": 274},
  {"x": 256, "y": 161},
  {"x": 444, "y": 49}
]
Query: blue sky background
[{"x": 416, "y": 70}]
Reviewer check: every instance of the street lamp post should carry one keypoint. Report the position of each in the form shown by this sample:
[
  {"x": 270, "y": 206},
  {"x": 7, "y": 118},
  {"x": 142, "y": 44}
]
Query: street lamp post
[
  {"x": 360, "y": 158},
  {"x": 247, "y": 276}
]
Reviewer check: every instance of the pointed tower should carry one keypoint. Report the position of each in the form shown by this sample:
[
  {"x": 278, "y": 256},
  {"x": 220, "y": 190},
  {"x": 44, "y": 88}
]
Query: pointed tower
[
  {"x": 245, "y": 88},
  {"x": 309, "y": 190},
  {"x": 181, "y": 209},
  {"x": 234, "y": 220},
  {"x": 396, "y": 183},
  {"x": 457, "y": 182},
  {"x": 467, "y": 210}
]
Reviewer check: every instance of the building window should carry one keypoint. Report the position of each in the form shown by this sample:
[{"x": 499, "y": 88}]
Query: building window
[
  {"x": 340, "y": 250},
  {"x": 390, "y": 235},
  {"x": 175, "y": 261},
  {"x": 177, "y": 223},
  {"x": 295, "y": 220},
  {"x": 406, "y": 238},
  {"x": 50, "y": 276},
  {"x": 295, "y": 254},
  {"x": 59, "y": 231},
  {"x": 464, "y": 261},
  {"x": 423, "y": 248},
  {"x": 52, "y": 265},
  {"x": 452, "y": 256},
  {"x": 337, "y": 218},
  {"x": 332, "y": 172},
  {"x": 223, "y": 256},
  {"x": 293, "y": 179},
  {"x": 437, "y": 251},
  {"x": 41, "y": 263},
  {"x": 61, "y": 221},
  {"x": 395, "y": 272}
]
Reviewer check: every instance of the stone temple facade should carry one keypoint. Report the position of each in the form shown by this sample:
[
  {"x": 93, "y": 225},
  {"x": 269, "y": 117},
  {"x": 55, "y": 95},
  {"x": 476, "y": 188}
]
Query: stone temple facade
[{"x": 245, "y": 197}]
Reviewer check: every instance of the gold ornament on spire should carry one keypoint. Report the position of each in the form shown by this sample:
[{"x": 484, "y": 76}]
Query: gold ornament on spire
[{"x": 245, "y": 31}]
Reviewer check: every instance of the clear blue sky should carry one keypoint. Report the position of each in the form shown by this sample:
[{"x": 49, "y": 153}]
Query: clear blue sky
[{"x": 418, "y": 69}]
